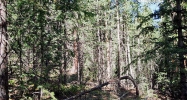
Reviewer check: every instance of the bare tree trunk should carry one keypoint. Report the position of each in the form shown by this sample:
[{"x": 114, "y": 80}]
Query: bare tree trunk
[
  {"x": 119, "y": 50},
  {"x": 65, "y": 56},
  {"x": 139, "y": 61},
  {"x": 129, "y": 56},
  {"x": 81, "y": 62},
  {"x": 35, "y": 64},
  {"x": 59, "y": 53},
  {"x": 3, "y": 52},
  {"x": 108, "y": 37},
  {"x": 63, "y": 69},
  {"x": 119, "y": 46},
  {"x": 99, "y": 72},
  {"x": 75, "y": 47},
  {"x": 42, "y": 53},
  {"x": 20, "y": 61},
  {"x": 102, "y": 68}
]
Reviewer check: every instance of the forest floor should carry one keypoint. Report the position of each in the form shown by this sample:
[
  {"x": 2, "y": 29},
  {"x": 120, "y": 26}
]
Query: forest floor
[
  {"x": 131, "y": 95},
  {"x": 125, "y": 95}
]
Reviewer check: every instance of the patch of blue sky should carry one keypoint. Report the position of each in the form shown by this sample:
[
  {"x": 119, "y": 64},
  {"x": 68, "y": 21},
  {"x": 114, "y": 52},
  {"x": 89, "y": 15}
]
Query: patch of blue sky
[{"x": 154, "y": 6}]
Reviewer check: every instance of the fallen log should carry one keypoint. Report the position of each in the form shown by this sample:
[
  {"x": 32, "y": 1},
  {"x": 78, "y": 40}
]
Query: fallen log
[{"x": 104, "y": 84}]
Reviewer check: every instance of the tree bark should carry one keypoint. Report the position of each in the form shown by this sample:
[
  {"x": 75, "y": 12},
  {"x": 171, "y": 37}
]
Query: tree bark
[
  {"x": 3, "y": 52},
  {"x": 108, "y": 55},
  {"x": 119, "y": 48},
  {"x": 183, "y": 80},
  {"x": 99, "y": 72},
  {"x": 65, "y": 55}
]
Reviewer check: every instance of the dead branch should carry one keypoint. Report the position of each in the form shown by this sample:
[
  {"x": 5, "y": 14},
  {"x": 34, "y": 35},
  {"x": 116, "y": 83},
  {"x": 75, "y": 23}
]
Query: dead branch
[
  {"x": 134, "y": 83},
  {"x": 104, "y": 84},
  {"x": 123, "y": 95}
]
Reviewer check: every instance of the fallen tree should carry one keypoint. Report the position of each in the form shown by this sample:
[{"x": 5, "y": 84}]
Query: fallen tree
[{"x": 104, "y": 84}]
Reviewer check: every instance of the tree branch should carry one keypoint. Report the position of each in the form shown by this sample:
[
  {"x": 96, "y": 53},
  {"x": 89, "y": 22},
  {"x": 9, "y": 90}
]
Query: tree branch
[{"x": 104, "y": 84}]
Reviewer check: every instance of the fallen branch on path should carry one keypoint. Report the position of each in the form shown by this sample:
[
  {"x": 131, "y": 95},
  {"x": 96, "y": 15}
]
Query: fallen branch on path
[
  {"x": 104, "y": 84},
  {"x": 124, "y": 95},
  {"x": 134, "y": 83}
]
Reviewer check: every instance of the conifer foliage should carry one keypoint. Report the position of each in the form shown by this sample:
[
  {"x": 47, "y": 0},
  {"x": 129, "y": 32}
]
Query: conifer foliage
[{"x": 57, "y": 49}]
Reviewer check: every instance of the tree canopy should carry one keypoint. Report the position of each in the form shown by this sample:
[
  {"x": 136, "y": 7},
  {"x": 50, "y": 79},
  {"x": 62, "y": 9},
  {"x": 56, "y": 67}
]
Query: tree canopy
[{"x": 67, "y": 49}]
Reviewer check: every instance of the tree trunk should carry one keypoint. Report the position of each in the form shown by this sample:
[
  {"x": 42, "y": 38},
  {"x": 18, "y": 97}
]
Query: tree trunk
[
  {"x": 81, "y": 62},
  {"x": 65, "y": 55},
  {"x": 76, "y": 52},
  {"x": 129, "y": 56},
  {"x": 59, "y": 53},
  {"x": 99, "y": 72},
  {"x": 119, "y": 48},
  {"x": 183, "y": 82},
  {"x": 108, "y": 55},
  {"x": 64, "y": 44},
  {"x": 3, "y": 53}
]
